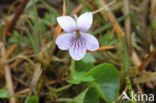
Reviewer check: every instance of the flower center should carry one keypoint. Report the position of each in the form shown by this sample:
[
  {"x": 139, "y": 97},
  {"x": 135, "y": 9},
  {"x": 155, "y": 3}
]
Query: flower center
[{"x": 77, "y": 33}]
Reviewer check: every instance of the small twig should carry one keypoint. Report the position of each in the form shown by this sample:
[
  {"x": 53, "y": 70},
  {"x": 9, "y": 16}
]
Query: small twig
[
  {"x": 35, "y": 79},
  {"x": 11, "y": 7},
  {"x": 147, "y": 60},
  {"x": 23, "y": 91},
  {"x": 78, "y": 9},
  {"x": 118, "y": 29},
  {"x": 55, "y": 81},
  {"x": 17, "y": 15},
  {"x": 22, "y": 57},
  {"x": 119, "y": 98},
  {"x": 103, "y": 48},
  {"x": 127, "y": 26},
  {"x": 64, "y": 7},
  {"x": 8, "y": 76},
  {"x": 19, "y": 61},
  {"x": 106, "y": 6},
  {"x": 12, "y": 48},
  {"x": 58, "y": 28},
  {"x": 112, "y": 18}
]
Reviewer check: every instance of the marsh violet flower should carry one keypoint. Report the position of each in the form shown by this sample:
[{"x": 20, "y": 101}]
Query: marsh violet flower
[{"x": 76, "y": 40}]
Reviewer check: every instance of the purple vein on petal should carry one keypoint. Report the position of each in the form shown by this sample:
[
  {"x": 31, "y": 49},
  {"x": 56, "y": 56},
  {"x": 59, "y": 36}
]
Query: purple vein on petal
[{"x": 78, "y": 43}]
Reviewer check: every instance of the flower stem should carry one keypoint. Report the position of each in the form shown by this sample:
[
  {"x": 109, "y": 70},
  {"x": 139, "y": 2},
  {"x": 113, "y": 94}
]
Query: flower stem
[{"x": 72, "y": 68}]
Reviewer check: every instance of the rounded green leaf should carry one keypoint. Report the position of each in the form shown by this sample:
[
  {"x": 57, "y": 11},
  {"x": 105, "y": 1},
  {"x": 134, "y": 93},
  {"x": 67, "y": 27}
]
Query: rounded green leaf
[
  {"x": 106, "y": 81},
  {"x": 91, "y": 96}
]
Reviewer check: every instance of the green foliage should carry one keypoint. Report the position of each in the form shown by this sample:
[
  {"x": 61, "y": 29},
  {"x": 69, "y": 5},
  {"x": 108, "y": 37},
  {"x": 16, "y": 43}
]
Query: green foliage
[
  {"x": 16, "y": 37},
  {"x": 36, "y": 28},
  {"x": 85, "y": 64},
  {"x": 91, "y": 96},
  {"x": 88, "y": 58},
  {"x": 33, "y": 99},
  {"x": 92, "y": 82},
  {"x": 82, "y": 66},
  {"x": 103, "y": 80},
  {"x": 81, "y": 69},
  {"x": 19, "y": 38},
  {"x": 52, "y": 10},
  {"x": 31, "y": 39},
  {"x": 4, "y": 93},
  {"x": 109, "y": 25},
  {"x": 80, "y": 98},
  {"x": 30, "y": 4},
  {"x": 79, "y": 77},
  {"x": 122, "y": 48},
  {"x": 106, "y": 81},
  {"x": 0, "y": 29},
  {"x": 107, "y": 39},
  {"x": 154, "y": 24},
  {"x": 48, "y": 17},
  {"x": 69, "y": 7},
  {"x": 136, "y": 25}
]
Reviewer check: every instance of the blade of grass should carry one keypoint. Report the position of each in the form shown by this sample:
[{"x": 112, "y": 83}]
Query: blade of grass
[
  {"x": 31, "y": 39},
  {"x": 136, "y": 25},
  {"x": 68, "y": 7},
  {"x": 30, "y": 24},
  {"x": 109, "y": 25},
  {"x": 36, "y": 32},
  {"x": 122, "y": 48},
  {"x": 50, "y": 8}
]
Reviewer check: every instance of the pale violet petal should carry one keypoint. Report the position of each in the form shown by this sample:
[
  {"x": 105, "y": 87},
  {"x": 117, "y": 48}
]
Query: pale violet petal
[
  {"x": 63, "y": 41},
  {"x": 84, "y": 21},
  {"x": 67, "y": 23},
  {"x": 78, "y": 48},
  {"x": 91, "y": 41}
]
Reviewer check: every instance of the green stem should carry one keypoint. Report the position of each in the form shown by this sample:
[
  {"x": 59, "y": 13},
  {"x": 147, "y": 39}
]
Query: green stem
[
  {"x": 121, "y": 45},
  {"x": 131, "y": 92},
  {"x": 63, "y": 88},
  {"x": 72, "y": 68}
]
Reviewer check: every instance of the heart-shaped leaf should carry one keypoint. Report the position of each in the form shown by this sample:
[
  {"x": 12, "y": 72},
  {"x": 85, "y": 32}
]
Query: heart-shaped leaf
[
  {"x": 91, "y": 96},
  {"x": 106, "y": 81}
]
